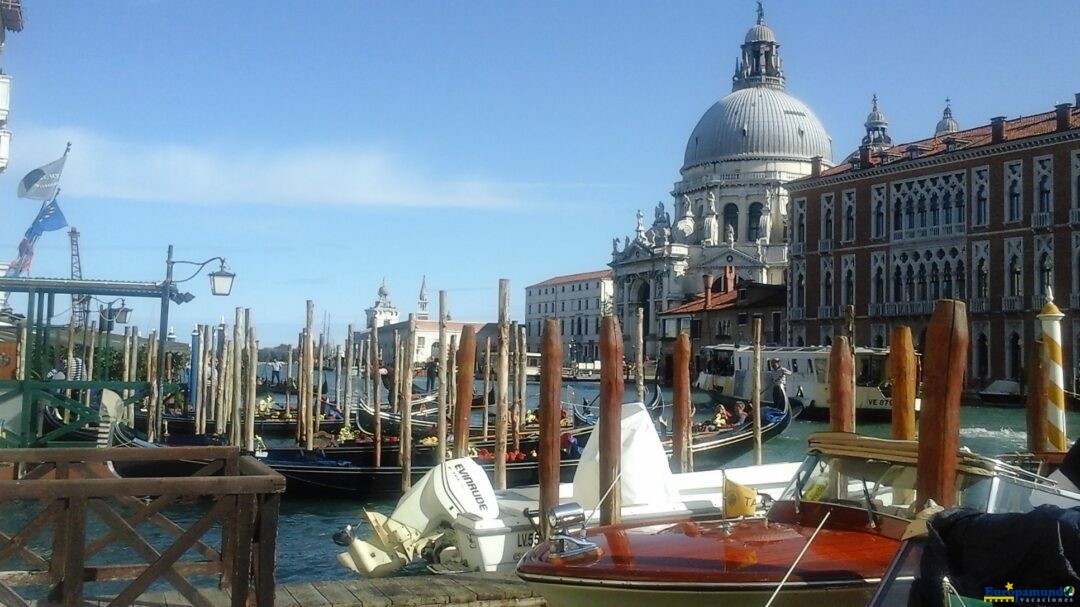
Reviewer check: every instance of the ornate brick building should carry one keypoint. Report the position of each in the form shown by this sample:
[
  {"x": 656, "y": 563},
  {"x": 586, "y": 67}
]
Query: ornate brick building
[{"x": 990, "y": 215}]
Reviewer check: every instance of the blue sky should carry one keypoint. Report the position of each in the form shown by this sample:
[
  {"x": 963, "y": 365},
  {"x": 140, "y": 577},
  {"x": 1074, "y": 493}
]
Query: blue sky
[{"x": 320, "y": 146}]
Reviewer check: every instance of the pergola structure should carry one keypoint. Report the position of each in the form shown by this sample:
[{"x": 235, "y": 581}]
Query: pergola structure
[{"x": 22, "y": 399}]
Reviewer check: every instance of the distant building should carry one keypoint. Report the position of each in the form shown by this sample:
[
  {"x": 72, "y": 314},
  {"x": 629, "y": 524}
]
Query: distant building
[
  {"x": 427, "y": 337},
  {"x": 11, "y": 20},
  {"x": 989, "y": 215},
  {"x": 730, "y": 207},
  {"x": 577, "y": 301},
  {"x": 383, "y": 312}
]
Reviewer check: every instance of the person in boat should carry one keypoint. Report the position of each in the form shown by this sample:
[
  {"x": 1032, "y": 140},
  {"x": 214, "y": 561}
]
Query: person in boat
[
  {"x": 742, "y": 413},
  {"x": 275, "y": 371},
  {"x": 723, "y": 417},
  {"x": 330, "y": 410},
  {"x": 778, "y": 377}
]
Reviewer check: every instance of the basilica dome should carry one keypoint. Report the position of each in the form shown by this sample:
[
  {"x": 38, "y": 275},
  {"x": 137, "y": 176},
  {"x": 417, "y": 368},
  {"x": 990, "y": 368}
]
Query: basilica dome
[{"x": 757, "y": 122}]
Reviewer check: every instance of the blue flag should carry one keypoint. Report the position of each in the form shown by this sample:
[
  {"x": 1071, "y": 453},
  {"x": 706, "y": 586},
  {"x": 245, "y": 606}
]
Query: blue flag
[
  {"x": 41, "y": 183},
  {"x": 49, "y": 218}
]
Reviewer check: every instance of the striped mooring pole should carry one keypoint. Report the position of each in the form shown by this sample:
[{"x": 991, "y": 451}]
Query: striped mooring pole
[{"x": 1050, "y": 317}]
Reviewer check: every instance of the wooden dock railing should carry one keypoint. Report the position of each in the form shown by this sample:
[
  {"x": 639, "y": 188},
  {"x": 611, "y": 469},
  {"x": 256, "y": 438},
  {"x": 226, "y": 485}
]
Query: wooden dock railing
[{"x": 75, "y": 493}]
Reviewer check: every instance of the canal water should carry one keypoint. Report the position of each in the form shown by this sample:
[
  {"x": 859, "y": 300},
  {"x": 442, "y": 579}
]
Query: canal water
[{"x": 306, "y": 551}]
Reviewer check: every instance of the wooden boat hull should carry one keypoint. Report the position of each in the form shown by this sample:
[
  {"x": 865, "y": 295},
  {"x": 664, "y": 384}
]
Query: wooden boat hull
[{"x": 625, "y": 595}]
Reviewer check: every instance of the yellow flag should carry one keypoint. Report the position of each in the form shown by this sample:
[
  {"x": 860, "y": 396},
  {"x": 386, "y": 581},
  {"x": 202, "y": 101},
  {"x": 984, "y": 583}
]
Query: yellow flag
[{"x": 739, "y": 500}]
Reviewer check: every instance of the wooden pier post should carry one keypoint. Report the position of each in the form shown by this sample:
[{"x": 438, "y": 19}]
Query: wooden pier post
[
  {"x": 487, "y": 385},
  {"x": 680, "y": 416},
  {"x": 1035, "y": 401},
  {"x": 550, "y": 418},
  {"x": 311, "y": 417},
  {"x": 444, "y": 400},
  {"x": 350, "y": 362},
  {"x": 376, "y": 400},
  {"x": 902, "y": 371},
  {"x": 939, "y": 418},
  {"x": 396, "y": 384},
  {"x": 451, "y": 379},
  {"x": 237, "y": 378},
  {"x": 639, "y": 353},
  {"x": 612, "y": 384},
  {"x": 502, "y": 385},
  {"x": 252, "y": 382},
  {"x": 523, "y": 387},
  {"x": 406, "y": 398},
  {"x": 515, "y": 394},
  {"x": 466, "y": 363},
  {"x": 841, "y": 386},
  {"x": 755, "y": 398}
]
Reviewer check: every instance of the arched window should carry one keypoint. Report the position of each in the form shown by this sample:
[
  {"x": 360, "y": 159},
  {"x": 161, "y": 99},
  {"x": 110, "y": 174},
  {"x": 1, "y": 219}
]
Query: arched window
[
  {"x": 961, "y": 281},
  {"x": 879, "y": 286},
  {"x": 935, "y": 283},
  {"x": 946, "y": 209},
  {"x": 1044, "y": 194},
  {"x": 849, "y": 223},
  {"x": 1016, "y": 286},
  {"x": 828, "y": 340},
  {"x": 946, "y": 281},
  {"x": 800, "y": 226},
  {"x": 799, "y": 341},
  {"x": 922, "y": 212},
  {"x": 982, "y": 280},
  {"x": 1014, "y": 201},
  {"x": 849, "y": 288},
  {"x": 879, "y": 220},
  {"x": 909, "y": 215},
  {"x": 922, "y": 283},
  {"x": 826, "y": 225},
  {"x": 982, "y": 357},
  {"x": 826, "y": 290},
  {"x": 1016, "y": 357},
  {"x": 1046, "y": 273},
  {"x": 961, "y": 217},
  {"x": 898, "y": 216},
  {"x": 935, "y": 214},
  {"x": 898, "y": 286},
  {"x": 879, "y": 341},
  {"x": 910, "y": 291},
  {"x": 753, "y": 222},
  {"x": 800, "y": 291},
  {"x": 731, "y": 219},
  {"x": 981, "y": 206}
]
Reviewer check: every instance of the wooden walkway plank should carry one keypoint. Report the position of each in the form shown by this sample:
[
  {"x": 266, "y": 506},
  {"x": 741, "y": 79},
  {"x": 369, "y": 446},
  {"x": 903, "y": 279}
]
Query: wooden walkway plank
[
  {"x": 336, "y": 594},
  {"x": 494, "y": 586},
  {"x": 216, "y": 596},
  {"x": 282, "y": 598},
  {"x": 368, "y": 595},
  {"x": 175, "y": 599},
  {"x": 306, "y": 595}
]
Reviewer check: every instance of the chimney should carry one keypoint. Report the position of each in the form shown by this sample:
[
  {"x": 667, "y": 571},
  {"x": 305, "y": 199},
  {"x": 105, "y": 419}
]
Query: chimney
[
  {"x": 815, "y": 162},
  {"x": 707, "y": 278},
  {"x": 729, "y": 278},
  {"x": 997, "y": 129},
  {"x": 1064, "y": 111},
  {"x": 864, "y": 156}
]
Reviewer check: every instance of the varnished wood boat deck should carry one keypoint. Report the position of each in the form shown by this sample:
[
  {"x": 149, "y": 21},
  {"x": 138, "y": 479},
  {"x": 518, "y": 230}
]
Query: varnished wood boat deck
[{"x": 467, "y": 589}]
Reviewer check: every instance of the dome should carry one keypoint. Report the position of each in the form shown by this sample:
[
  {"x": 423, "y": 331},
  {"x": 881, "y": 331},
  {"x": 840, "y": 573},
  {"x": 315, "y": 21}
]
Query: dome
[
  {"x": 757, "y": 122},
  {"x": 947, "y": 124},
  {"x": 760, "y": 33}
]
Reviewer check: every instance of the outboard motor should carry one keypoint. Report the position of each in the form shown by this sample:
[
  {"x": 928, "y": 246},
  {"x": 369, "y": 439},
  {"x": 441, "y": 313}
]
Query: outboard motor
[{"x": 457, "y": 486}]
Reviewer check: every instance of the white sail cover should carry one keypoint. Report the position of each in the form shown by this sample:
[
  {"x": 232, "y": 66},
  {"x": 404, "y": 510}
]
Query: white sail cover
[{"x": 646, "y": 478}]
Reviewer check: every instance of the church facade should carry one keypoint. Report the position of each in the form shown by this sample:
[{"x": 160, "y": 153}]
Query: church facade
[{"x": 729, "y": 209}]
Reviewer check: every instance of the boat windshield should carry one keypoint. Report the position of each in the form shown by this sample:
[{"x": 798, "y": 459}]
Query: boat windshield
[{"x": 878, "y": 485}]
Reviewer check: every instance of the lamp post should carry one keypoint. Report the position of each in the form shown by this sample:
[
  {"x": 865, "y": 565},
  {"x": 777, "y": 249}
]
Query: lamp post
[
  {"x": 110, "y": 315},
  {"x": 221, "y": 282}
]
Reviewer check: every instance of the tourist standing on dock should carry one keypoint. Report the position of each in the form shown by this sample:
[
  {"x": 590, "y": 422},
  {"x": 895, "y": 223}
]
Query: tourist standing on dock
[
  {"x": 431, "y": 369},
  {"x": 778, "y": 377}
]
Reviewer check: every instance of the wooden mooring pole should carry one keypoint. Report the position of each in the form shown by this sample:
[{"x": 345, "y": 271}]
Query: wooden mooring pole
[
  {"x": 1035, "y": 404},
  {"x": 939, "y": 418},
  {"x": 841, "y": 386},
  {"x": 680, "y": 416},
  {"x": 550, "y": 418},
  {"x": 902, "y": 371},
  {"x": 444, "y": 400},
  {"x": 756, "y": 391},
  {"x": 466, "y": 362},
  {"x": 502, "y": 384},
  {"x": 376, "y": 400},
  {"x": 612, "y": 385},
  {"x": 639, "y": 353},
  {"x": 405, "y": 400}
]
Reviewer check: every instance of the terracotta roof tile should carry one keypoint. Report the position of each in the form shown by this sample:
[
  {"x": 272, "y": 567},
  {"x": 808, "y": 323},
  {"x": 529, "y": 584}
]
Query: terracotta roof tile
[{"x": 1017, "y": 128}]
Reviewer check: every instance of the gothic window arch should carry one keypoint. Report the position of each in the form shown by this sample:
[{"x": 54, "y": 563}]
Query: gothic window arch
[
  {"x": 922, "y": 213},
  {"x": 1016, "y": 356},
  {"x": 946, "y": 209},
  {"x": 947, "y": 281},
  {"x": 898, "y": 215},
  {"x": 961, "y": 281},
  {"x": 961, "y": 208},
  {"x": 1044, "y": 194},
  {"x": 982, "y": 279},
  {"x": 800, "y": 291},
  {"x": 849, "y": 223},
  {"x": 935, "y": 283},
  {"x": 981, "y": 206},
  {"x": 849, "y": 288},
  {"x": 1046, "y": 273},
  {"x": 879, "y": 220},
  {"x": 879, "y": 285},
  {"x": 1014, "y": 201},
  {"x": 1016, "y": 287},
  {"x": 935, "y": 211},
  {"x": 922, "y": 283},
  {"x": 827, "y": 224},
  {"x": 826, "y": 290},
  {"x": 731, "y": 219},
  {"x": 982, "y": 356},
  {"x": 753, "y": 222},
  {"x": 909, "y": 294}
]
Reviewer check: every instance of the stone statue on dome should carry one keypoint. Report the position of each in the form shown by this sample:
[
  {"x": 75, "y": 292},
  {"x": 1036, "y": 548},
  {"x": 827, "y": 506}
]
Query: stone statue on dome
[
  {"x": 684, "y": 229},
  {"x": 730, "y": 234},
  {"x": 712, "y": 229},
  {"x": 615, "y": 245}
]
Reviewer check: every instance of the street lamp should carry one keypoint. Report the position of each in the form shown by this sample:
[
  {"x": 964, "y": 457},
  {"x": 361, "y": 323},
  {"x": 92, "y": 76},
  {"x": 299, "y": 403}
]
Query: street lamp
[{"x": 221, "y": 282}]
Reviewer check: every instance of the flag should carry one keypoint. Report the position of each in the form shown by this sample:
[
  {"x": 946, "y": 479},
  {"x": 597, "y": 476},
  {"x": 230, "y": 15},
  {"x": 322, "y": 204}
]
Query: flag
[
  {"x": 41, "y": 183},
  {"x": 49, "y": 218}
]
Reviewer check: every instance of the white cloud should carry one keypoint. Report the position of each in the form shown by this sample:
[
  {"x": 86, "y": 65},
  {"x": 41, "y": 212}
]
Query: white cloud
[{"x": 104, "y": 167}]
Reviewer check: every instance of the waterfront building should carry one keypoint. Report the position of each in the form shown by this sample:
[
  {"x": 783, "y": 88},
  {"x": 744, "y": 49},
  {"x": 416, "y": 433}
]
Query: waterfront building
[
  {"x": 383, "y": 311},
  {"x": 989, "y": 215},
  {"x": 730, "y": 207},
  {"x": 577, "y": 301}
]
